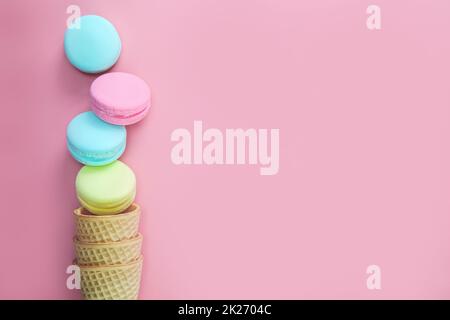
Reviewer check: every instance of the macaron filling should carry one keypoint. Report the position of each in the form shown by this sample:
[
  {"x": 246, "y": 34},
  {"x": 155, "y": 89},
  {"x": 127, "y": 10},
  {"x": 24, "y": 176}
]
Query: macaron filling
[
  {"x": 107, "y": 208},
  {"x": 100, "y": 110},
  {"x": 96, "y": 158}
]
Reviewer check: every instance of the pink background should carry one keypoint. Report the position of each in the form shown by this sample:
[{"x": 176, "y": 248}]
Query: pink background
[{"x": 364, "y": 119}]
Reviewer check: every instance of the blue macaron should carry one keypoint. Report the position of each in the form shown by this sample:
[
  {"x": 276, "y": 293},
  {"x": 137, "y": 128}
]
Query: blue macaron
[
  {"x": 93, "y": 45},
  {"x": 94, "y": 142}
]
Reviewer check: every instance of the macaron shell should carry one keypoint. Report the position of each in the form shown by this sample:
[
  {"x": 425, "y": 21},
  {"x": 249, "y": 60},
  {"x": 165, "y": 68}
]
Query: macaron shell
[
  {"x": 95, "y": 46},
  {"x": 107, "y": 189},
  {"x": 120, "y": 98},
  {"x": 93, "y": 141}
]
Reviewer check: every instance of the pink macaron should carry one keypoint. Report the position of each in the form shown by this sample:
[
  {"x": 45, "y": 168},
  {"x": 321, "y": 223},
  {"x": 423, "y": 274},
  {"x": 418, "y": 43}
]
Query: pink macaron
[{"x": 120, "y": 98}]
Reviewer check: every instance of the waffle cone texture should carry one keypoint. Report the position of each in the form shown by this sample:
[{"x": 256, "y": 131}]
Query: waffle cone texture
[
  {"x": 107, "y": 228},
  {"x": 108, "y": 254},
  {"x": 119, "y": 282}
]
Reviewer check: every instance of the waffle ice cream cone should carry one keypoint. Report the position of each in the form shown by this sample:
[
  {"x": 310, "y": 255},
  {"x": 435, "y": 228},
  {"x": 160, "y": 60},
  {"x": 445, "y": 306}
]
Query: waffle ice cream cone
[
  {"x": 120, "y": 282},
  {"x": 111, "y": 253},
  {"x": 108, "y": 228}
]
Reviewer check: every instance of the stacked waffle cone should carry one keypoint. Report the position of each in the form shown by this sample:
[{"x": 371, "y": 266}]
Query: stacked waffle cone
[
  {"x": 108, "y": 252},
  {"x": 107, "y": 241}
]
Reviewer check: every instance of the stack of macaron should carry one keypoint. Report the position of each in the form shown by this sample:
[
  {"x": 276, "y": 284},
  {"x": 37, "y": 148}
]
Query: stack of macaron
[{"x": 107, "y": 241}]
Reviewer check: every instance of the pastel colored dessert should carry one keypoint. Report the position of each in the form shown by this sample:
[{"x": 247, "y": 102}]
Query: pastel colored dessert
[
  {"x": 93, "y": 141},
  {"x": 120, "y": 98},
  {"x": 104, "y": 190},
  {"x": 93, "y": 47}
]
